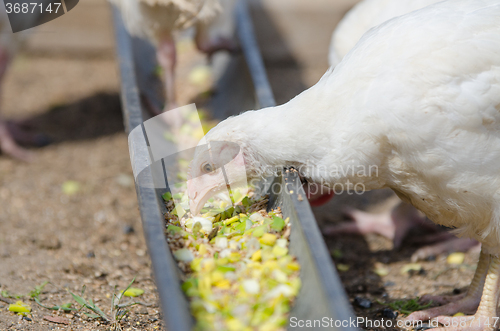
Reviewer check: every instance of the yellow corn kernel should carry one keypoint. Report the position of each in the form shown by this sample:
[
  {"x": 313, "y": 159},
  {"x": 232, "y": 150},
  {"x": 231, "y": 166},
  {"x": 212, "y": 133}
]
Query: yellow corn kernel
[
  {"x": 20, "y": 308},
  {"x": 269, "y": 326},
  {"x": 196, "y": 264},
  {"x": 256, "y": 273},
  {"x": 410, "y": 266},
  {"x": 381, "y": 269},
  {"x": 280, "y": 251},
  {"x": 223, "y": 284},
  {"x": 234, "y": 324},
  {"x": 455, "y": 258},
  {"x": 222, "y": 261},
  {"x": 133, "y": 292},
  {"x": 342, "y": 267},
  {"x": 293, "y": 266},
  {"x": 270, "y": 264},
  {"x": 267, "y": 254},
  {"x": 202, "y": 249},
  {"x": 254, "y": 265},
  {"x": 234, "y": 257},
  {"x": 207, "y": 265},
  {"x": 231, "y": 220},
  {"x": 280, "y": 276},
  {"x": 257, "y": 256},
  {"x": 204, "y": 283},
  {"x": 216, "y": 276},
  {"x": 295, "y": 284},
  {"x": 268, "y": 239}
]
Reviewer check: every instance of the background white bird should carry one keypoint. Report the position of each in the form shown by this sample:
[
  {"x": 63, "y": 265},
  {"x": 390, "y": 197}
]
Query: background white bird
[
  {"x": 12, "y": 132},
  {"x": 157, "y": 20},
  {"x": 362, "y": 17},
  {"x": 398, "y": 219},
  {"x": 419, "y": 98}
]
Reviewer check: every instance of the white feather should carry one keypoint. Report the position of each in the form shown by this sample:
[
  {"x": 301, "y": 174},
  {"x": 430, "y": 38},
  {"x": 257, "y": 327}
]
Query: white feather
[
  {"x": 150, "y": 19},
  {"x": 364, "y": 16},
  {"x": 419, "y": 98}
]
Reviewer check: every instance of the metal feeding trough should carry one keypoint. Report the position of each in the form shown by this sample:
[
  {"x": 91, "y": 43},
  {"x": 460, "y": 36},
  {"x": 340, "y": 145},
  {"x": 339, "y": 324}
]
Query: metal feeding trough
[{"x": 241, "y": 84}]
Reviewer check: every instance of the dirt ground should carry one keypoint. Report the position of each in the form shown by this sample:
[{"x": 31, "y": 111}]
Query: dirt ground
[{"x": 66, "y": 82}]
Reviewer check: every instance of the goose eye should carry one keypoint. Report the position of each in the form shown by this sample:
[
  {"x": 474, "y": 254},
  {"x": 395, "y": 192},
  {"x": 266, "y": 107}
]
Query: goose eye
[{"x": 206, "y": 168}]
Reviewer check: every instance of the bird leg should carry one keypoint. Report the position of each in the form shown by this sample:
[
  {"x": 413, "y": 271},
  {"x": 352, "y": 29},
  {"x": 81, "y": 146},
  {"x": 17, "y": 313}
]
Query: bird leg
[
  {"x": 393, "y": 224},
  {"x": 167, "y": 58},
  {"x": 209, "y": 46},
  {"x": 449, "y": 246},
  {"x": 364, "y": 223},
  {"x": 485, "y": 318},
  {"x": 467, "y": 303},
  {"x": 7, "y": 143},
  {"x": 9, "y": 146}
]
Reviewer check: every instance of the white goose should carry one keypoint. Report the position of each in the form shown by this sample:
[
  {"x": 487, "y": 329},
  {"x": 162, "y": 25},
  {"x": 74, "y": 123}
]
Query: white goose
[
  {"x": 397, "y": 219},
  {"x": 157, "y": 20},
  {"x": 10, "y": 44}
]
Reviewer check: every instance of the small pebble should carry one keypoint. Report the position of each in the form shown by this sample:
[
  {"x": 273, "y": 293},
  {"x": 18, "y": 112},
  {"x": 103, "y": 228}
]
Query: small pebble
[
  {"x": 142, "y": 311},
  {"x": 26, "y": 318},
  {"x": 52, "y": 243},
  {"x": 362, "y": 302},
  {"x": 389, "y": 313},
  {"x": 389, "y": 283},
  {"x": 430, "y": 258},
  {"x": 125, "y": 180},
  {"x": 128, "y": 229},
  {"x": 420, "y": 272},
  {"x": 422, "y": 327},
  {"x": 90, "y": 254},
  {"x": 361, "y": 288}
]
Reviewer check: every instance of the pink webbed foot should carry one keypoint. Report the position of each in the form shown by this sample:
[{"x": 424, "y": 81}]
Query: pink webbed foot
[
  {"x": 21, "y": 132},
  {"x": 466, "y": 305},
  {"x": 476, "y": 301},
  {"x": 9, "y": 146},
  {"x": 393, "y": 224},
  {"x": 210, "y": 47},
  {"x": 364, "y": 223},
  {"x": 441, "y": 299},
  {"x": 449, "y": 246}
]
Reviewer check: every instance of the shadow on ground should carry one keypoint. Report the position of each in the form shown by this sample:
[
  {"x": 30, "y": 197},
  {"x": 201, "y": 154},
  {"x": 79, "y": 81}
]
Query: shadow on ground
[{"x": 88, "y": 118}]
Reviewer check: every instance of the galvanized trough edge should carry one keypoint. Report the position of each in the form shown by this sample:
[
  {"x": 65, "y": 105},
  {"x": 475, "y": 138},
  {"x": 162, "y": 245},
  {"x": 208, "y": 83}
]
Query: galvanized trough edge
[
  {"x": 328, "y": 298},
  {"x": 322, "y": 294},
  {"x": 174, "y": 304}
]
